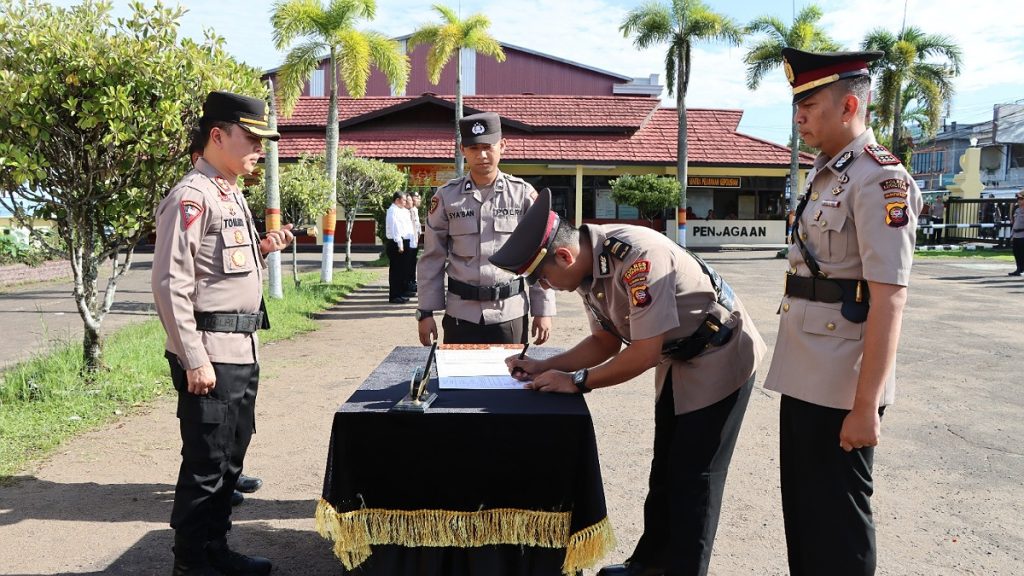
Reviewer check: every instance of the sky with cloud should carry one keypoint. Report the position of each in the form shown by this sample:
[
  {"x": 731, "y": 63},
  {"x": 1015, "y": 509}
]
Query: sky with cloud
[{"x": 586, "y": 31}]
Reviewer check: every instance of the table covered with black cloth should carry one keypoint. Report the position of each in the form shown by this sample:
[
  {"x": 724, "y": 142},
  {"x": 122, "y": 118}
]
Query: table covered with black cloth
[{"x": 495, "y": 482}]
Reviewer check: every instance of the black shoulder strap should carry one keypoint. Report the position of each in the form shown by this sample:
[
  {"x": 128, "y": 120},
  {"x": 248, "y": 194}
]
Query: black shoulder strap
[{"x": 812, "y": 264}]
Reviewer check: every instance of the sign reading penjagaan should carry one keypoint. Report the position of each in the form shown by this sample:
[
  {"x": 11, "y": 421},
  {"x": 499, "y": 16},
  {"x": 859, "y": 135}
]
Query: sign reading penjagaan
[{"x": 720, "y": 232}]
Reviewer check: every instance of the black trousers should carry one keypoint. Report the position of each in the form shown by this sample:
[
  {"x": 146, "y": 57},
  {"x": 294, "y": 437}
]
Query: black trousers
[
  {"x": 826, "y": 493},
  {"x": 410, "y": 262},
  {"x": 684, "y": 500},
  {"x": 1018, "y": 253},
  {"x": 215, "y": 434},
  {"x": 463, "y": 332},
  {"x": 398, "y": 270}
]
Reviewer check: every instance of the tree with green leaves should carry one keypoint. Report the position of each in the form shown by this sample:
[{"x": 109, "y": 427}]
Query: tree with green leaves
[
  {"x": 364, "y": 185},
  {"x": 331, "y": 30},
  {"x": 766, "y": 55},
  {"x": 449, "y": 38},
  {"x": 680, "y": 25},
  {"x": 302, "y": 196},
  {"x": 924, "y": 64},
  {"x": 649, "y": 193},
  {"x": 94, "y": 129}
]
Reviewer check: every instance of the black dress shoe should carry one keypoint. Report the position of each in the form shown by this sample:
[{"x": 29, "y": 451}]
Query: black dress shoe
[
  {"x": 1014, "y": 273},
  {"x": 248, "y": 484},
  {"x": 231, "y": 563},
  {"x": 630, "y": 568},
  {"x": 398, "y": 300},
  {"x": 236, "y": 498},
  {"x": 184, "y": 568}
]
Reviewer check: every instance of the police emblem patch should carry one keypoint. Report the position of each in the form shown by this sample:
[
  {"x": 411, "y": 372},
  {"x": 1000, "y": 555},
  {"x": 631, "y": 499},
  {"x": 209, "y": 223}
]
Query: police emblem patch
[
  {"x": 190, "y": 212},
  {"x": 896, "y": 214},
  {"x": 637, "y": 272},
  {"x": 239, "y": 237},
  {"x": 238, "y": 258},
  {"x": 433, "y": 204},
  {"x": 640, "y": 295},
  {"x": 478, "y": 128},
  {"x": 881, "y": 154}
]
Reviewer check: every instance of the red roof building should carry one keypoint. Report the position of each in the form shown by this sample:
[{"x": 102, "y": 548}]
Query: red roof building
[{"x": 572, "y": 144}]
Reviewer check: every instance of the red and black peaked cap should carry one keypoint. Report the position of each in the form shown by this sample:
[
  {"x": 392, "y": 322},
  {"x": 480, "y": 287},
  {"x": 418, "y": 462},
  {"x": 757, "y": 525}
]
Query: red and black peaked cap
[
  {"x": 249, "y": 113},
  {"x": 808, "y": 72},
  {"x": 531, "y": 240}
]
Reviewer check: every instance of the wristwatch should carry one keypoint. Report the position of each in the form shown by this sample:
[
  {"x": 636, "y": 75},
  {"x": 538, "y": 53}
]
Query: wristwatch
[
  {"x": 579, "y": 378},
  {"x": 421, "y": 314}
]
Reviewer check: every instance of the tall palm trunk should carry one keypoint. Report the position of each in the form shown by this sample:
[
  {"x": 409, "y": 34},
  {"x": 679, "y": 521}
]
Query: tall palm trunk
[
  {"x": 681, "y": 150},
  {"x": 897, "y": 123},
  {"x": 330, "y": 219},
  {"x": 273, "y": 216},
  {"x": 459, "y": 160},
  {"x": 794, "y": 163}
]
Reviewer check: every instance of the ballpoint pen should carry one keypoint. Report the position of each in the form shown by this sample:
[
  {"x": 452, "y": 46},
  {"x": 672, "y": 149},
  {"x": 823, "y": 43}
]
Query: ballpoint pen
[{"x": 522, "y": 355}]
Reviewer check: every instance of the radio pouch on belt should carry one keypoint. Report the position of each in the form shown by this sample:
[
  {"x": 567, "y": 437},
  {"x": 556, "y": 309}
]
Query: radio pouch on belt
[{"x": 265, "y": 320}]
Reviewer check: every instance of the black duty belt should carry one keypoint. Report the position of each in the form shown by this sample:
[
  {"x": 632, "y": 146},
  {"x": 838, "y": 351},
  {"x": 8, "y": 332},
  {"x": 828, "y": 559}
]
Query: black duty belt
[
  {"x": 486, "y": 293},
  {"x": 852, "y": 293},
  {"x": 219, "y": 322},
  {"x": 710, "y": 334}
]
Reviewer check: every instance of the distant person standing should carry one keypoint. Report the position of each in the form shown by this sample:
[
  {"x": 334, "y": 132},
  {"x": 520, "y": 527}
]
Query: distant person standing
[
  {"x": 414, "y": 241},
  {"x": 1017, "y": 231},
  {"x": 938, "y": 212},
  {"x": 397, "y": 225}
]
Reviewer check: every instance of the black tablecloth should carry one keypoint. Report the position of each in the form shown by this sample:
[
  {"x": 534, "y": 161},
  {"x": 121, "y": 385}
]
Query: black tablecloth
[{"x": 511, "y": 474}]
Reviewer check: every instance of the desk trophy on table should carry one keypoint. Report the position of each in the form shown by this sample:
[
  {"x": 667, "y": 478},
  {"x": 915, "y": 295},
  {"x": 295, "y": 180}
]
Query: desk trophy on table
[{"x": 419, "y": 399}]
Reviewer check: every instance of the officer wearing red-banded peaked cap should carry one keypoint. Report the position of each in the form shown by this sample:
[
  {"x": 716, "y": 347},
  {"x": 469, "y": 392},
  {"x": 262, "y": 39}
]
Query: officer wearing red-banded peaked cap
[
  {"x": 808, "y": 72},
  {"x": 252, "y": 114}
]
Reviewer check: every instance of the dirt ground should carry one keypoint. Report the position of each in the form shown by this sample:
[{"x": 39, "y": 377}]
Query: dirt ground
[{"x": 948, "y": 472}]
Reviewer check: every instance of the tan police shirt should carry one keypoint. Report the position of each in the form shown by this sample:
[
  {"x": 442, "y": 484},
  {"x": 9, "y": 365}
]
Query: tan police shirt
[
  {"x": 651, "y": 287},
  {"x": 465, "y": 226},
  {"x": 859, "y": 223},
  {"x": 206, "y": 259}
]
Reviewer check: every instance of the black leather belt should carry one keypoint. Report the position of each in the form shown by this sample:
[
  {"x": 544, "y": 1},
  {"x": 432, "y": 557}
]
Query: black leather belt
[
  {"x": 711, "y": 333},
  {"x": 486, "y": 293},
  {"x": 218, "y": 322},
  {"x": 852, "y": 293}
]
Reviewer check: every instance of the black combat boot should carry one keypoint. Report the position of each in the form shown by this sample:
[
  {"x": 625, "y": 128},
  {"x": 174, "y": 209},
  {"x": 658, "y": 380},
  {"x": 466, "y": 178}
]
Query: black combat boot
[
  {"x": 231, "y": 563},
  {"x": 190, "y": 559}
]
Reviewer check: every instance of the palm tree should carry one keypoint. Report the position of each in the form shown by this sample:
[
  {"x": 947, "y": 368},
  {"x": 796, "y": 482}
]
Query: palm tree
[
  {"x": 909, "y": 62},
  {"x": 449, "y": 38},
  {"x": 766, "y": 55},
  {"x": 331, "y": 30},
  {"x": 679, "y": 25}
]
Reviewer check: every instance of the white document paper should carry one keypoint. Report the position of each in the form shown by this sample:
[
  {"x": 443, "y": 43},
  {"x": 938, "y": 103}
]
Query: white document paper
[{"x": 475, "y": 370}]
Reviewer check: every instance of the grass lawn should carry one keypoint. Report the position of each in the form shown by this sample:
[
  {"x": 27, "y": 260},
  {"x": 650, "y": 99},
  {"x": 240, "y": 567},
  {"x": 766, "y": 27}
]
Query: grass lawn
[
  {"x": 998, "y": 255},
  {"x": 45, "y": 401}
]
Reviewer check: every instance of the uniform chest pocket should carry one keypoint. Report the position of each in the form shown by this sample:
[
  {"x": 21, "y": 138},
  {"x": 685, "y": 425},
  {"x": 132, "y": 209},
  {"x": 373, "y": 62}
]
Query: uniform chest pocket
[
  {"x": 505, "y": 224},
  {"x": 237, "y": 253},
  {"x": 826, "y": 320},
  {"x": 831, "y": 234},
  {"x": 465, "y": 236}
]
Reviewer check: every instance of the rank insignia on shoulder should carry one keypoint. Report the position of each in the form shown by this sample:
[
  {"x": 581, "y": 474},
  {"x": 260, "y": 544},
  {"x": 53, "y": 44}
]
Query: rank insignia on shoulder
[
  {"x": 843, "y": 161},
  {"x": 602, "y": 264},
  {"x": 881, "y": 154},
  {"x": 190, "y": 212},
  {"x": 640, "y": 295},
  {"x": 637, "y": 272},
  {"x": 617, "y": 247},
  {"x": 434, "y": 201},
  {"x": 896, "y": 214}
]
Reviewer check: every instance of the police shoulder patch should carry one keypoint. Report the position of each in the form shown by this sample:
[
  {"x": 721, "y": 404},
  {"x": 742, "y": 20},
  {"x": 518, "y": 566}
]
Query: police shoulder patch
[
  {"x": 190, "y": 212},
  {"x": 640, "y": 295},
  {"x": 434, "y": 201},
  {"x": 637, "y": 272},
  {"x": 896, "y": 214},
  {"x": 881, "y": 154}
]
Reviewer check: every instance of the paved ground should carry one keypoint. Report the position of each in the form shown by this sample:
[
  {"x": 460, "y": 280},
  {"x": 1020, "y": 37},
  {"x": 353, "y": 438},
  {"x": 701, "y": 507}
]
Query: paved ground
[{"x": 948, "y": 491}]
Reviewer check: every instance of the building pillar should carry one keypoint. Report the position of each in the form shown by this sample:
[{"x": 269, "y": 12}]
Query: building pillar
[{"x": 578, "y": 216}]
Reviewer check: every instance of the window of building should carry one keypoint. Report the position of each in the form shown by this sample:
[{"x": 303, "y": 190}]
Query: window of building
[{"x": 316, "y": 82}]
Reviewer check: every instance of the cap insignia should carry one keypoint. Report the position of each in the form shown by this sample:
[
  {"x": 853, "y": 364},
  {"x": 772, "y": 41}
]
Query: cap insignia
[
  {"x": 790, "y": 77},
  {"x": 478, "y": 128}
]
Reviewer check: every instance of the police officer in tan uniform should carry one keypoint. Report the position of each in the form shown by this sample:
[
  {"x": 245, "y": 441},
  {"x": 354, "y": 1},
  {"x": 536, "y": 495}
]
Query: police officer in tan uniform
[
  {"x": 207, "y": 285},
  {"x": 852, "y": 246},
  {"x": 469, "y": 219},
  {"x": 675, "y": 314}
]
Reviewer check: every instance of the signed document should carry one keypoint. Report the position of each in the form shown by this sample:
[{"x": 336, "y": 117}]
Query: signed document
[{"x": 480, "y": 368}]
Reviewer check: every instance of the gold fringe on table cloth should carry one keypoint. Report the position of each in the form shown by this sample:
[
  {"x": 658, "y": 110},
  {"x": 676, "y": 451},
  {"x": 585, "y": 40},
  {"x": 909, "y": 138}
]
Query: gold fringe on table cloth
[{"x": 354, "y": 532}]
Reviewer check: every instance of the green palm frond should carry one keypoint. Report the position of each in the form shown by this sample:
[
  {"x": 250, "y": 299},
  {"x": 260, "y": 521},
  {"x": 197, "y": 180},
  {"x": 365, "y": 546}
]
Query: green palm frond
[
  {"x": 445, "y": 45},
  {"x": 771, "y": 26},
  {"x": 292, "y": 19},
  {"x": 354, "y": 61},
  {"x": 447, "y": 14},
  {"x": 387, "y": 56},
  {"x": 425, "y": 34},
  {"x": 299, "y": 63},
  {"x": 762, "y": 59},
  {"x": 483, "y": 43},
  {"x": 670, "y": 71},
  {"x": 650, "y": 24}
]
